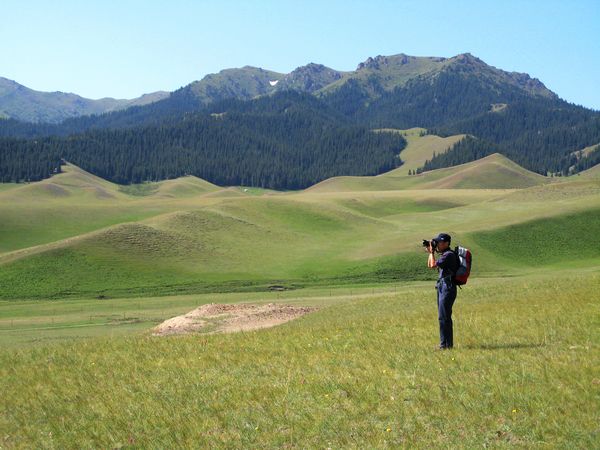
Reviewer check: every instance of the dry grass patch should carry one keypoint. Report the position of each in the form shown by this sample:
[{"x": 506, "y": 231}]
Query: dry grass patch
[{"x": 224, "y": 318}]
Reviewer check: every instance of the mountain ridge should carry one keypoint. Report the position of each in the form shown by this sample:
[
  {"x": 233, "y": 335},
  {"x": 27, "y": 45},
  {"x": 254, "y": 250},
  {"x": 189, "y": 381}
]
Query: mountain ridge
[
  {"x": 20, "y": 102},
  {"x": 375, "y": 76},
  {"x": 504, "y": 112}
]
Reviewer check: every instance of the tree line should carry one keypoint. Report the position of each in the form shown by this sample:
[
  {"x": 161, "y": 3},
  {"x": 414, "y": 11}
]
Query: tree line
[{"x": 284, "y": 144}]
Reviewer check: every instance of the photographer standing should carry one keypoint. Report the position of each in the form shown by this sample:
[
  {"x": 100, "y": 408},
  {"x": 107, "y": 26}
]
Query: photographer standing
[{"x": 447, "y": 264}]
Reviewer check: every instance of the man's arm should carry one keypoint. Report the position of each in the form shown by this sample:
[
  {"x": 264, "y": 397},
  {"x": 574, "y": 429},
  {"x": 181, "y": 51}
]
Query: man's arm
[{"x": 431, "y": 262}]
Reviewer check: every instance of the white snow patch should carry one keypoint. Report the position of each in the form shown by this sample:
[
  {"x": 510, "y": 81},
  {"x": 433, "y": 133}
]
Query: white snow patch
[{"x": 273, "y": 83}]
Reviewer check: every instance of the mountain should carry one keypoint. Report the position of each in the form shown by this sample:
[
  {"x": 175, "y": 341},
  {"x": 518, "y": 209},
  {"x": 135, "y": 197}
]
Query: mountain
[
  {"x": 310, "y": 78},
  {"x": 404, "y": 91},
  {"x": 502, "y": 112},
  {"x": 22, "y": 103},
  {"x": 250, "y": 82},
  {"x": 374, "y": 79},
  {"x": 242, "y": 84}
]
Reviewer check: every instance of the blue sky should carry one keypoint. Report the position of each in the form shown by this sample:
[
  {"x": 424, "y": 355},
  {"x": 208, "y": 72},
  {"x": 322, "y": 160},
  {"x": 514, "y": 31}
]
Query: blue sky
[{"x": 128, "y": 47}]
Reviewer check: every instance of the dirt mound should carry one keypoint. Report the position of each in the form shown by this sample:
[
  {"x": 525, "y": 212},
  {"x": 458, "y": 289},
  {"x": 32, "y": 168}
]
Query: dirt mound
[{"x": 225, "y": 318}]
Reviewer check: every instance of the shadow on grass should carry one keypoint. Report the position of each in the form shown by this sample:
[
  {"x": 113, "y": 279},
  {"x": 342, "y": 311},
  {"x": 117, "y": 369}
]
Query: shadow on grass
[{"x": 502, "y": 346}]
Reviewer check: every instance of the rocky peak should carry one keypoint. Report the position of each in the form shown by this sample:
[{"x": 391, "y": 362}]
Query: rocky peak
[
  {"x": 309, "y": 78},
  {"x": 312, "y": 69},
  {"x": 467, "y": 59},
  {"x": 374, "y": 63}
]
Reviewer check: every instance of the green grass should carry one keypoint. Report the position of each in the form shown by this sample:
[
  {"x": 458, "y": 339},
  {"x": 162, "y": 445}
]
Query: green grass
[
  {"x": 552, "y": 241},
  {"x": 358, "y": 373},
  {"x": 247, "y": 243},
  {"x": 7, "y": 186},
  {"x": 87, "y": 268},
  {"x": 26, "y": 225},
  {"x": 420, "y": 148},
  {"x": 140, "y": 190},
  {"x": 25, "y": 323}
]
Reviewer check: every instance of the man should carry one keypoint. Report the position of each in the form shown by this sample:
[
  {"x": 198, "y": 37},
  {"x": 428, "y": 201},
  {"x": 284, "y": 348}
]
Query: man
[{"x": 447, "y": 264}]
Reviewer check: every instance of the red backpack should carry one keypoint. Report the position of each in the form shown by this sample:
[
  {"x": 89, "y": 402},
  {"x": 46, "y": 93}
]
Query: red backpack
[{"x": 464, "y": 268}]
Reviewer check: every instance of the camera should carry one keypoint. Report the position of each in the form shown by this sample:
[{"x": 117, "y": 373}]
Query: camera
[{"x": 433, "y": 242}]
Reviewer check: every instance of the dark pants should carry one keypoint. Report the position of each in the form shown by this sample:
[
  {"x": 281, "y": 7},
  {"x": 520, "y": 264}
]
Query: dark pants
[{"x": 446, "y": 294}]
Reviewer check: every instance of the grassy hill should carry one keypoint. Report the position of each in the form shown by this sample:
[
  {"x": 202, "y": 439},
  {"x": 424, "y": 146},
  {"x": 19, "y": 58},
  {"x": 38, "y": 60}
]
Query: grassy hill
[
  {"x": 186, "y": 235},
  {"x": 75, "y": 202},
  {"x": 73, "y": 182},
  {"x": 88, "y": 267},
  {"x": 492, "y": 172},
  {"x": 187, "y": 186}
]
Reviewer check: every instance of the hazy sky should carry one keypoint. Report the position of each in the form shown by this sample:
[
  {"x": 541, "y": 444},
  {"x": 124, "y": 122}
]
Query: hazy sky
[{"x": 125, "y": 48}]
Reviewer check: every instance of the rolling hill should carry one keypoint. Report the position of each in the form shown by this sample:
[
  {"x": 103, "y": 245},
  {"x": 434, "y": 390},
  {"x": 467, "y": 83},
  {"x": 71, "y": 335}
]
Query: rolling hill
[
  {"x": 187, "y": 235},
  {"x": 491, "y": 172}
]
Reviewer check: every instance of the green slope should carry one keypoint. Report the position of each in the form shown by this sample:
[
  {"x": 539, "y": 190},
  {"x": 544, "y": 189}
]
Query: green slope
[
  {"x": 420, "y": 148},
  {"x": 76, "y": 202},
  {"x": 556, "y": 241},
  {"x": 249, "y": 242},
  {"x": 186, "y": 235},
  {"x": 492, "y": 172},
  {"x": 187, "y": 186}
]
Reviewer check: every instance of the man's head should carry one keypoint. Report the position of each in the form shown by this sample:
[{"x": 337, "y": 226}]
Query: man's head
[{"x": 443, "y": 241}]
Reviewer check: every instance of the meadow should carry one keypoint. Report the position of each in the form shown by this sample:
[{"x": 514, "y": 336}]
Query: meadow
[
  {"x": 360, "y": 372},
  {"x": 88, "y": 268}
]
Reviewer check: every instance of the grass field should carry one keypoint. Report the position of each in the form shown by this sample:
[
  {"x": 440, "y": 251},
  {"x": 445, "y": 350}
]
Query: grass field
[
  {"x": 87, "y": 268},
  {"x": 361, "y": 372}
]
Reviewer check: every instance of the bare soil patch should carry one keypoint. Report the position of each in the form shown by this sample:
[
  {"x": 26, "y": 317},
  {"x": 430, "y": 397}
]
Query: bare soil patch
[{"x": 227, "y": 318}]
